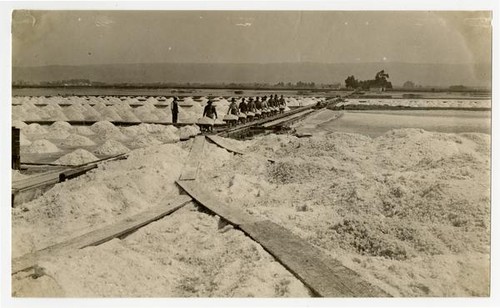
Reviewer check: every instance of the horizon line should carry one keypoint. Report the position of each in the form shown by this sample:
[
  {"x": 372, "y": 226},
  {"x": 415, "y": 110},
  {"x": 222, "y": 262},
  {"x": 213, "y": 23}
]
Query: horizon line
[{"x": 257, "y": 63}]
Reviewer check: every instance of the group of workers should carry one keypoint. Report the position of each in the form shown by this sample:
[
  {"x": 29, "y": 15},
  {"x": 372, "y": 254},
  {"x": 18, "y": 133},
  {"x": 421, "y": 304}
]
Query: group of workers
[
  {"x": 252, "y": 109},
  {"x": 247, "y": 110}
]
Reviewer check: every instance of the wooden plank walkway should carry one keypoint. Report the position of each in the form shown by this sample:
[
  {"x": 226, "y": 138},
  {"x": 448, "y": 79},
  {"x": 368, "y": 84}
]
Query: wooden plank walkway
[
  {"x": 232, "y": 214},
  {"x": 193, "y": 161},
  {"x": 286, "y": 119},
  {"x": 39, "y": 179},
  {"x": 324, "y": 276},
  {"x": 102, "y": 235}
]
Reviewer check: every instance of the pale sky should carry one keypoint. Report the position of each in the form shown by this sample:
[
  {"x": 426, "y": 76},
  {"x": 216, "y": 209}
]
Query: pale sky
[{"x": 102, "y": 37}]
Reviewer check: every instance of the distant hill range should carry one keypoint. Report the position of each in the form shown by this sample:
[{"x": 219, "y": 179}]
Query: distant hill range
[{"x": 439, "y": 75}]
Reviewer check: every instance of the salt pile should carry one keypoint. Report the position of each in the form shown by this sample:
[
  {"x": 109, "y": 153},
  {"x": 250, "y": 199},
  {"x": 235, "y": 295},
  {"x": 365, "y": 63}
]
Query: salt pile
[
  {"x": 109, "y": 114},
  {"x": 83, "y": 130},
  {"x": 104, "y": 127},
  {"x": 111, "y": 147},
  {"x": 18, "y": 113},
  {"x": 74, "y": 113},
  {"x": 61, "y": 125},
  {"x": 125, "y": 112},
  {"x": 41, "y": 146},
  {"x": 90, "y": 113},
  {"x": 141, "y": 141},
  {"x": 75, "y": 140},
  {"x": 77, "y": 157},
  {"x": 168, "y": 134},
  {"x": 19, "y": 124},
  {"x": 23, "y": 141},
  {"x": 34, "y": 129},
  {"x": 164, "y": 134},
  {"x": 189, "y": 130},
  {"x": 57, "y": 134},
  {"x": 130, "y": 131},
  {"x": 146, "y": 113},
  {"x": 54, "y": 113}
]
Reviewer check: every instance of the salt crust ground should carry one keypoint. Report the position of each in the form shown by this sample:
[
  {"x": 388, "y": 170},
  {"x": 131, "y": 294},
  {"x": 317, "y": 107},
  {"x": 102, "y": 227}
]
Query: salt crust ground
[{"x": 409, "y": 211}]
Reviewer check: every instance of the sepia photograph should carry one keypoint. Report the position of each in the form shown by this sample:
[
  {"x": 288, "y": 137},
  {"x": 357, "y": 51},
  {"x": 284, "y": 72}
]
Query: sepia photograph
[{"x": 165, "y": 153}]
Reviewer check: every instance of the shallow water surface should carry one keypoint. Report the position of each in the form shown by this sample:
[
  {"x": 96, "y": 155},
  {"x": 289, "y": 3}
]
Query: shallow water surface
[{"x": 376, "y": 123}]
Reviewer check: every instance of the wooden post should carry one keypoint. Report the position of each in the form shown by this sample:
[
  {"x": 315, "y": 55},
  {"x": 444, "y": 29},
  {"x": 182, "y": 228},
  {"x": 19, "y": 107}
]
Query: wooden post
[{"x": 16, "y": 157}]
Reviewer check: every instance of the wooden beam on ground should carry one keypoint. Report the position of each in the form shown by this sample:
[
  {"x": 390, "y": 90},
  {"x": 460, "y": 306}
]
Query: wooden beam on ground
[
  {"x": 325, "y": 276},
  {"x": 39, "y": 179},
  {"x": 223, "y": 144},
  {"x": 234, "y": 215},
  {"x": 195, "y": 155},
  {"x": 220, "y": 142},
  {"x": 102, "y": 235},
  {"x": 28, "y": 188}
]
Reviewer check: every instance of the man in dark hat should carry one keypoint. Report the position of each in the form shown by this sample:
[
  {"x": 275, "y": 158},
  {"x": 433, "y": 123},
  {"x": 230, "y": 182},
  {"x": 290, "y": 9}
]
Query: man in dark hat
[
  {"x": 233, "y": 107},
  {"x": 175, "y": 110},
  {"x": 210, "y": 111}
]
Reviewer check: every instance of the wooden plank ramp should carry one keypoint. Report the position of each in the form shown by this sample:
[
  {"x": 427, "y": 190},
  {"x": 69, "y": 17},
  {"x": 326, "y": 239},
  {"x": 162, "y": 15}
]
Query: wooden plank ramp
[
  {"x": 190, "y": 169},
  {"x": 102, "y": 235},
  {"x": 325, "y": 276}
]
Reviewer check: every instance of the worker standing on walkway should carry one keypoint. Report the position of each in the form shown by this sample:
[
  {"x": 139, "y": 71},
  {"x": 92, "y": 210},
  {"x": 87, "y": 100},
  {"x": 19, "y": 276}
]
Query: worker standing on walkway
[
  {"x": 210, "y": 111},
  {"x": 175, "y": 110},
  {"x": 243, "y": 111},
  {"x": 272, "y": 105},
  {"x": 250, "y": 109},
  {"x": 265, "y": 107},
  {"x": 282, "y": 104},
  {"x": 233, "y": 108},
  {"x": 258, "y": 108}
]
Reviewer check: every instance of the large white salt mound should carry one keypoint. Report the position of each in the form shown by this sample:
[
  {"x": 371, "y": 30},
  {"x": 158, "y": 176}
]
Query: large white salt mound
[
  {"x": 90, "y": 113},
  {"x": 104, "y": 127},
  {"x": 167, "y": 136},
  {"x": 130, "y": 131},
  {"x": 141, "y": 141},
  {"x": 61, "y": 125},
  {"x": 57, "y": 134},
  {"x": 34, "y": 129},
  {"x": 55, "y": 113},
  {"x": 189, "y": 130},
  {"x": 109, "y": 114},
  {"x": 111, "y": 147},
  {"x": 23, "y": 141},
  {"x": 125, "y": 112},
  {"x": 146, "y": 114},
  {"x": 75, "y": 140},
  {"x": 42, "y": 146},
  {"x": 83, "y": 130},
  {"x": 77, "y": 157},
  {"x": 19, "y": 124},
  {"x": 74, "y": 113}
]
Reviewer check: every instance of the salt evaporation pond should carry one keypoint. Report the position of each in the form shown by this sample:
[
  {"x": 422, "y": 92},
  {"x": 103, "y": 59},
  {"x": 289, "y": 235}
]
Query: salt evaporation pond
[{"x": 374, "y": 123}]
